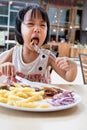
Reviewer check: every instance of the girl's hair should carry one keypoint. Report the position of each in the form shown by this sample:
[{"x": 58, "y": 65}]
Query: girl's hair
[{"x": 20, "y": 19}]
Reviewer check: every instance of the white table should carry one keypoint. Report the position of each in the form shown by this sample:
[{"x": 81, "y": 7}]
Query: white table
[{"x": 71, "y": 119}]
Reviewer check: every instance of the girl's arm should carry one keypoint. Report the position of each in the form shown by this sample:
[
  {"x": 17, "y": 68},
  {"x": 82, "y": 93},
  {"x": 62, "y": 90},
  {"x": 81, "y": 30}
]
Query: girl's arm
[
  {"x": 6, "y": 66},
  {"x": 65, "y": 67}
]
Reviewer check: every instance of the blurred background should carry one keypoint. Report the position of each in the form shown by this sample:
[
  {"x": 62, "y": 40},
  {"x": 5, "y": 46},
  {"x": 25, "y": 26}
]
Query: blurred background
[{"x": 67, "y": 23}]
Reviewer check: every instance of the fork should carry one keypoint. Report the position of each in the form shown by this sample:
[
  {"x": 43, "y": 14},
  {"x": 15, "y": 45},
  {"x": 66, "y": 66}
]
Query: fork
[{"x": 38, "y": 50}]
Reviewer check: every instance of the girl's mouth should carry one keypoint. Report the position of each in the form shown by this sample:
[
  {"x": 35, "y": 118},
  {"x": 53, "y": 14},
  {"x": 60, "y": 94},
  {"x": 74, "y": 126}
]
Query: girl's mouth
[{"x": 34, "y": 41}]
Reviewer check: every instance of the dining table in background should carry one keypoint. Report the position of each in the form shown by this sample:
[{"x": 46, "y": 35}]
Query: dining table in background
[
  {"x": 74, "y": 118},
  {"x": 52, "y": 46}
]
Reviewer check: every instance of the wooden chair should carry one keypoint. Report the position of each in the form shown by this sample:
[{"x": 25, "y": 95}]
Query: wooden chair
[
  {"x": 64, "y": 49},
  {"x": 83, "y": 62}
]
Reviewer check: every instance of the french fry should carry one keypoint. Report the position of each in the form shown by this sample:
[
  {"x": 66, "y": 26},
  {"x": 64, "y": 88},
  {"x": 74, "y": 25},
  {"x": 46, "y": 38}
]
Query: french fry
[
  {"x": 36, "y": 93},
  {"x": 3, "y": 100},
  {"x": 27, "y": 89},
  {"x": 44, "y": 105},
  {"x": 10, "y": 102},
  {"x": 14, "y": 97},
  {"x": 17, "y": 85},
  {"x": 4, "y": 93},
  {"x": 31, "y": 99},
  {"x": 27, "y": 105},
  {"x": 32, "y": 42},
  {"x": 21, "y": 97}
]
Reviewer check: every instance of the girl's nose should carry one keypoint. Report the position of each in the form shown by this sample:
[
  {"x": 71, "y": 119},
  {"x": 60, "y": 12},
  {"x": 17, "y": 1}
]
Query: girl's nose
[{"x": 37, "y": 29}]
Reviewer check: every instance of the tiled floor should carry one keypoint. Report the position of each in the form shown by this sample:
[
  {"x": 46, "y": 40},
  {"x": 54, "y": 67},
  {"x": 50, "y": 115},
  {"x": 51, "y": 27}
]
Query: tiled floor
[{"x": 56, "y": 79}]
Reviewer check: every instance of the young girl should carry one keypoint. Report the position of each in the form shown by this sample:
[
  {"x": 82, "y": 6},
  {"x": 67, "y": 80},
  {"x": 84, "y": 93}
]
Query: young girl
[{"x": 32, "y": 29}]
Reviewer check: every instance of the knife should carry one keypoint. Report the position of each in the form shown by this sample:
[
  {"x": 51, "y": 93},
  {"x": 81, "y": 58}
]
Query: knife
[{"x": 30, "y": 83}]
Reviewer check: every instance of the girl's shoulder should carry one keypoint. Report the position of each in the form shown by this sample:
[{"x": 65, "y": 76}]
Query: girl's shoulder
[
  {"x": 17, "y": 47},
  {"x": 6, "y": 56}
]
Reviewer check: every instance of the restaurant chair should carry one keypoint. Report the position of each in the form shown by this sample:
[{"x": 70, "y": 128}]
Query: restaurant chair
[
  {"x": 64, "y": 49},
  {"x": 83, "y": 63}
]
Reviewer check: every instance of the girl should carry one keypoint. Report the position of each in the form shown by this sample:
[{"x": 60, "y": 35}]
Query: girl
[{"x": 32, "y": 29}]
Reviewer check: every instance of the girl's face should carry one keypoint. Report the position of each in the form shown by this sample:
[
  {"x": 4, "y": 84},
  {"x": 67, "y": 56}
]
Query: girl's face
[{"x": 33, "y": 27}]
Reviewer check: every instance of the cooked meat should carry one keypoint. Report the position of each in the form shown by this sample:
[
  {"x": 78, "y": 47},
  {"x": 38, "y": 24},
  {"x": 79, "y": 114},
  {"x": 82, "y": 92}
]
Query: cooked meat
[
  {"x": 3, "y": 87},
  {"x": 51, "y": 91}
]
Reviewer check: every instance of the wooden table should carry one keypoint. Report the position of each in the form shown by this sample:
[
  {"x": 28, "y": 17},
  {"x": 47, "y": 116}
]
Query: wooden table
[{"x": 71, "y": 119}]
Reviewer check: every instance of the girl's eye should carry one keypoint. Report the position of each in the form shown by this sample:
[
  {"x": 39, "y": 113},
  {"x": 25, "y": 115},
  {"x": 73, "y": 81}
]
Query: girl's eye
[
  {"x": 43, "y": 25},
  {"x": 30, "y": 24}
]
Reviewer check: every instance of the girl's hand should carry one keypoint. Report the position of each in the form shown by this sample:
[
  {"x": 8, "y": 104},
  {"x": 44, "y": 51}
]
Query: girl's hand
[
  {"x": 64, "y": 63},
  {"x": 67, "y": 68},
  {"x": 7, "y": 69}
]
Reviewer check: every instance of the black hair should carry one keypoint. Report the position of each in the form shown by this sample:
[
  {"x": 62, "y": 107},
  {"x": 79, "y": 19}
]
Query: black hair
[{"x": 20, "y": 18}]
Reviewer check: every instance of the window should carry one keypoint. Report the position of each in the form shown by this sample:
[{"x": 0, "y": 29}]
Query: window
[
  {"x": 59, "y": 21},
  {"x": 3, "y": 8},
  {"x": 3, "y": 20},
  {"x": 12, "y": 18}
]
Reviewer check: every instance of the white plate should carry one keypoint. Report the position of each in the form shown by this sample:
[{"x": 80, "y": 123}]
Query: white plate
[{"x": 52, "y": 108}]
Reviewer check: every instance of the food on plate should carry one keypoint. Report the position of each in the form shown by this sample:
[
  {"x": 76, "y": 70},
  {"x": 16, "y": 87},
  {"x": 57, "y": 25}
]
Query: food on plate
[
  {"x": 21, "y": 95},
  {"x": 44, "y": 105},
  {"x": 3, "y": 86},
  {"x": 64, "y": 98},
  {"x": 51, "y": 91}
]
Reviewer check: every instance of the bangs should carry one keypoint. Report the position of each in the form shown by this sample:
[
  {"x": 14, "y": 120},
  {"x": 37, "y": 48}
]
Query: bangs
[{"x": 36, "y": 13}]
